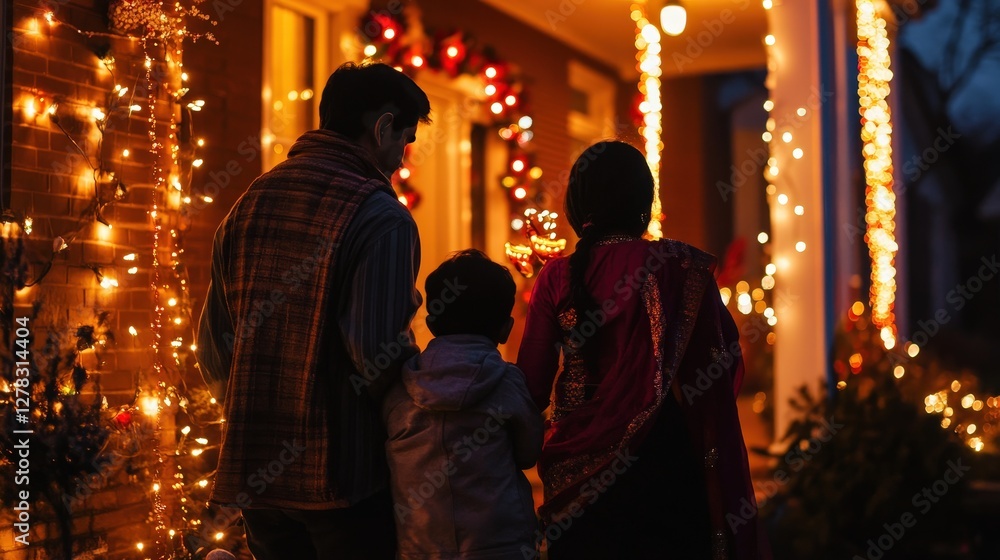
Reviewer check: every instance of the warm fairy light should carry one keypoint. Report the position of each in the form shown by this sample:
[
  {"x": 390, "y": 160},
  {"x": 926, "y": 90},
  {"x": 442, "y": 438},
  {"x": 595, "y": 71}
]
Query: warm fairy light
[
  {"x": 132, "y": 331},
  {"x": 98, "y": 114},
  {"x": 125, "y": 152},
  {"x": 799, "y": 210},
  {"x": 207, "y": 199},
  {"x": 490, "y": 72},
  {"x": 186, "y": 430},
  {"x": 743, "y": 304},
  {"x": 203, "y": 483},
  {"x": 198, "y": 162},
  {"x": 108, "y": 283},
  {"x": 762, "y": 237},
  {"x": 766, "y": 136},
  {"x": 525, "y": 122},
  {"x": 50, "y": 18},
  {"x": 768, "y": 4},
  {"x": 517, "y": 165},
  {"x": 769, "y": 40},
  {"x": 202, "y": 441},
  {"x": 535, "y": 172},
  {"x": 967, "y": 400},
  {"x": 510, "y": 100},
  {"x": 30, "y": 108},
  {"x": 786, "y": 137},
  {"x": 490, "y": 89},
  {"x": 516, "y": 224},
  {"x": 800, "y": 246},
  {"x": 417, "y": 61},
  {"x": 782, "y": 199},
  {"x": 389, "y": 33},
  {"x": 858, "y": 308},
  {"x": 520, "y": 193},
  {"x": 874, "y": 76},
  {"x": 496, "y": 108},
  {"x": 451, "y": 51},
  {"x": 742, "y": 287},
  {"x": 172, "y": 302},
  {"x": 196, "y": 452},
  {"x": 28, "y": 223},
  {"x": 139, "y": 545},
  {"x": 770, "y": 269},
  {"x": 156, "y": 487},
  {"x": 150, "y": 405},
  {"x": 913, "y": 350},
  {"x": 135, "y": 108},
  {"x": 219, "y": 536},
  {"x": 648, "y": 42},
  {"x": 801, "y": 111},
  {"x": 797, "y": 153},
  {"x": 767, "y": 282},
  {"x": 201, "y": 142},
  {"x": 768, "y": 105},
  {"x": 177, "y": 320}
]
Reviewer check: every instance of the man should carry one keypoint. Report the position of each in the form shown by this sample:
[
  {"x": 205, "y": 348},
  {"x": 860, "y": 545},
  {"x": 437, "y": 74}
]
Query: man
[{"x": 307, "y": 322}]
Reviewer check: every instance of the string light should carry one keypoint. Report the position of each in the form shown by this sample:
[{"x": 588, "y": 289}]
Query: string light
[
  {"x": 874, "y": 76},
  {"x": 648, "y": 42}
]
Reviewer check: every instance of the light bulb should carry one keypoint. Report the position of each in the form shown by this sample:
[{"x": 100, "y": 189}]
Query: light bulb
[{"x": 673, "y": 19}]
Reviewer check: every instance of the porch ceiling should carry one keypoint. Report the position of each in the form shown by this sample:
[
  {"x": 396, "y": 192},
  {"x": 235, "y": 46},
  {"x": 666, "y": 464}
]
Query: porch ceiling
[{"x": 721, "y": 35}]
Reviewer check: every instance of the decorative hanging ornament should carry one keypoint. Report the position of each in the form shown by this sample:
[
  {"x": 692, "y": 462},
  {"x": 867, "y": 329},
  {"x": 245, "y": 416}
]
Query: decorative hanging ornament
[
  {"x": 123, "y": 418},
  {"x": 540, "y": 230}
]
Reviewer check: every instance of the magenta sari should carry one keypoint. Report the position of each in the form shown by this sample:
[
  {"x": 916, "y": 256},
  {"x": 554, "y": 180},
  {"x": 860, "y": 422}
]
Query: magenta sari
[{"x": 662, "y": 326}]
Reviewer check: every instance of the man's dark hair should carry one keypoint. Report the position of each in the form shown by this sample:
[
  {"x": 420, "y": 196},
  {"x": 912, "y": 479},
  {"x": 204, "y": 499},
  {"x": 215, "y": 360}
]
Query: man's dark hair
[
  {"x": 357, "y": 92},
  {"x": 469, "y": 294}
]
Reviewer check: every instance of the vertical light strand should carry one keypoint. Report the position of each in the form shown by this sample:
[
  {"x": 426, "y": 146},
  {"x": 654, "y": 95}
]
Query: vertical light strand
[
  {"x": 647, "y": 41},
  {"x": 159, "y": 180},
  {"x": 874, "y": 76}
]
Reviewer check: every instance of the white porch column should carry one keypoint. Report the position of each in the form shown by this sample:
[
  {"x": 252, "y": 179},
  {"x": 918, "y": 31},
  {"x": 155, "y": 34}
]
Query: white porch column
[{"x": 798, "y": 300}]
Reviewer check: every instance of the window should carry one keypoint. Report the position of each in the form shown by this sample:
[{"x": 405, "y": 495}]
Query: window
[
  {"x": 304, "y": 41},
  {"x": 592, "y": 110}
]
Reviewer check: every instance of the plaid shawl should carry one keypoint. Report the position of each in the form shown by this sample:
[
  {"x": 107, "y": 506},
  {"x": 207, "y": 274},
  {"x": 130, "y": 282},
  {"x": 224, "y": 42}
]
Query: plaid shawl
[{"x": 279, "y": 249}]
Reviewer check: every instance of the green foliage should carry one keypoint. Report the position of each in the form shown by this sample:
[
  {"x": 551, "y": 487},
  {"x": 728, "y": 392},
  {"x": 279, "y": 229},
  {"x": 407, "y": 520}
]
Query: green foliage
[{"x": 848, "y": 489}]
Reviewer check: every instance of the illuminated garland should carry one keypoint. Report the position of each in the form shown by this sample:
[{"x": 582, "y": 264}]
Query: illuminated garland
[
  {"x": 647, "y": 41},
  {"x": 161, "y": 32},
  {"x": 876, "y": 132}
]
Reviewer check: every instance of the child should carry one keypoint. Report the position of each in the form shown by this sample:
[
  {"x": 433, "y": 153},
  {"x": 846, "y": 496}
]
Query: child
[{"x": 462, "y": 425}]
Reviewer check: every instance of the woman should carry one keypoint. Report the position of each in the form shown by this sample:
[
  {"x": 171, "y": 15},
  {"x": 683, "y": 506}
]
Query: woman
[{"x": 643, "y": 454}]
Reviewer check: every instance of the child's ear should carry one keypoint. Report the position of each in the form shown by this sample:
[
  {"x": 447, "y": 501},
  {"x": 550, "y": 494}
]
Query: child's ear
[{"x": 504, "y": 333}]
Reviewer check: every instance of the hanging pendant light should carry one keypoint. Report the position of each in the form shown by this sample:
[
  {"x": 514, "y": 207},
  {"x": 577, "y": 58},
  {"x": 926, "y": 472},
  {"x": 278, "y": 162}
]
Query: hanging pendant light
[{"x": 673, "y": 18}]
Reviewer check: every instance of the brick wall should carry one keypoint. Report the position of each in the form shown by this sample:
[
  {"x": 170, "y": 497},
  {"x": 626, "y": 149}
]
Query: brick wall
[{"x": 51, "y": 183}]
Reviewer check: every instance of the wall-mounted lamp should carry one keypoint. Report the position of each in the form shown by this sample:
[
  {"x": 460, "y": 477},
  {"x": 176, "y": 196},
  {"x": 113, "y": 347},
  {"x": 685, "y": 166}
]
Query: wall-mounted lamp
[{"x": 673, "y": 18}]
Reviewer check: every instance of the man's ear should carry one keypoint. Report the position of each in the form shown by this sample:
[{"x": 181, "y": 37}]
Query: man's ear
[
  {"x": 383, "y": 126},
  {"x": 504, "y": 333}
]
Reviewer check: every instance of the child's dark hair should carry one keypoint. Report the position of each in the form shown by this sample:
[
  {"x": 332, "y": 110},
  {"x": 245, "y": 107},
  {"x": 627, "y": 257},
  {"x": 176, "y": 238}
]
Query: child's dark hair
[{"x": 469, "y": 294}]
